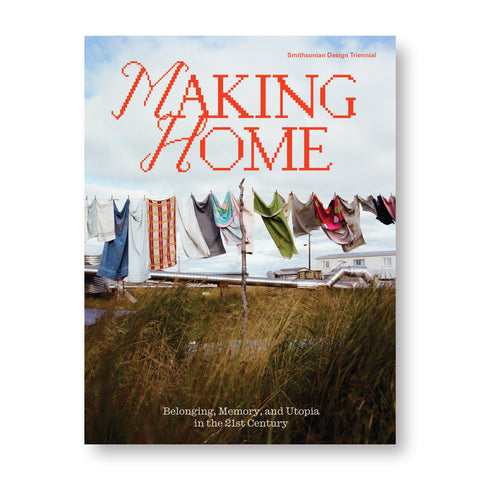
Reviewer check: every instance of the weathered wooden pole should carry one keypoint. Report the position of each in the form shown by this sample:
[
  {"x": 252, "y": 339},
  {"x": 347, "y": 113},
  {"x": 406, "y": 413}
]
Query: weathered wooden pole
[
  {"x": 309, "y": 252},
  {"x": 244, "y": 265}
]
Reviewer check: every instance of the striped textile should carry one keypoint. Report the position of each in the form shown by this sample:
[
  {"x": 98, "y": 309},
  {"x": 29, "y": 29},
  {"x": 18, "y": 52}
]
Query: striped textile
[{"x": 162, "y": 233}]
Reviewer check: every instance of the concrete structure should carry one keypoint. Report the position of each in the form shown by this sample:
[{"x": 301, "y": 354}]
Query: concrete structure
[{"x": 381, "y": 264}]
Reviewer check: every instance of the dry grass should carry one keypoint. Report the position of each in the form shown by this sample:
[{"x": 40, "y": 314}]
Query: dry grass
[{"x": 137, "y": 364}]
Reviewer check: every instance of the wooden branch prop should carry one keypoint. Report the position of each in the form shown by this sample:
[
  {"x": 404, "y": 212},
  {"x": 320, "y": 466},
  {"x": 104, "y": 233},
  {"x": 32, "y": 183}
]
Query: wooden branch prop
[{"x": 244, "y": 265}]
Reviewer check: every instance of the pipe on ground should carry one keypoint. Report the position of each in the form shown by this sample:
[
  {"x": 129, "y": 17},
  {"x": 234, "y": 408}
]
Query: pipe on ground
[{"x": 332, "y": 281}]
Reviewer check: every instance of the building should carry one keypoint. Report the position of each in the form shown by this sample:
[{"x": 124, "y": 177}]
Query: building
[
  {"x": 285, "y": 273},
  {"x": 300, "y": 273},
  {"x": 382, "y": 264}
]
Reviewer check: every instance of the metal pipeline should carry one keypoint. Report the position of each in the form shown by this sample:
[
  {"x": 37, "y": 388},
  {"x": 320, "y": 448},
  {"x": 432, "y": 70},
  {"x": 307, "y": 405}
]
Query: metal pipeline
[
  {"x": 361, "y": 272},
  {"x": 331, "y": 282}
]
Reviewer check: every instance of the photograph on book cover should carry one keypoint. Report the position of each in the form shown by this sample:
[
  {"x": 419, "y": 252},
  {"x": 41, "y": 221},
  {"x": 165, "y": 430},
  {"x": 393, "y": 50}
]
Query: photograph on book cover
[{"x": 240, "y": 240}]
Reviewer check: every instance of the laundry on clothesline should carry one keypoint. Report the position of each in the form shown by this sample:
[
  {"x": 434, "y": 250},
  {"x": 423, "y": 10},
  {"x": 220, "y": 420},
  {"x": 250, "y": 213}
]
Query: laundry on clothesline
[
  {"x": 276, "y": 224},
  {"x": 138, "y": 242},
  {"x": 303, "y": 215},
  {"x": 114, "y": 261},
  {"x": 351, "y": 214},
  {"x": 91, "y": 230},
  {"x": 331, "y": 217},
  {"x": 382, "y": 212},
  {"x": 162, "y": 233},
  {"x": 193, "y": 242},
  {"x": 227, "y": 219},
  {"x": 368, "y": 204},
  {"x": 391, "y": 206},
  {"x": 142, "y": 237},
  {"x": 105, "y": 221},
  {"x": 206, "y": 221}
]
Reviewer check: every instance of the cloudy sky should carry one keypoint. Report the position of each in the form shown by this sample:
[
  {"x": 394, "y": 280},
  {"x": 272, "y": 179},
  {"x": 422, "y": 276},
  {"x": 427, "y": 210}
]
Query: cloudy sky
[{"x": 360, "y": 149}]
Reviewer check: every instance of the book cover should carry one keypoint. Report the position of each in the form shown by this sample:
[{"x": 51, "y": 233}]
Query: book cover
[{"x": 240, "y": 223}]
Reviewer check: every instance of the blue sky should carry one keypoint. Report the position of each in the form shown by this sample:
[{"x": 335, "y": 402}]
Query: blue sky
[
  {"x": 362, "y": 148},
  {"x": 100, "y": 50}
]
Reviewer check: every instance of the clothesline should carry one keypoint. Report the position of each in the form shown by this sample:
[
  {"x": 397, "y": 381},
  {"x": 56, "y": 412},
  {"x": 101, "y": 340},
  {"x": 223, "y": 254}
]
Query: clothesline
[
  {"x": 145, "y": 196},
  {"x": 142, "y": 236}
]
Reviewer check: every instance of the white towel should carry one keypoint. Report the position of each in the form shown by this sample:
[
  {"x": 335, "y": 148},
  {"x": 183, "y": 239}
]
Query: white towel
[
  {"x": 248, "y": 216},
  {"x": 105, "y": 222},
  {"x": 85, "y": 217},
  {"x": 193, "y": 242},
  {"x": 90, "y": 220},
  {"x": 138, "y": 246}
]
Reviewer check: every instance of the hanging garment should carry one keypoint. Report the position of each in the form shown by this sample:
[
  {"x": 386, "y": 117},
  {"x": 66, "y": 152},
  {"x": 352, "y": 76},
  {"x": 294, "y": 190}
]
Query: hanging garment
[
  {"x": 138, "y": 247},
  {"x": 330, "y": 217},
  {"x": 391, "y": 206},
  {"x": 337, "y": 231},
  {"x": 341, "y": 236},
  {"x": 162, "y": 235},
  {"x": 227, "y": 218},
  {"x": 382, "y": 213},
  {"x": 114, "y": 261},
  {"x": 276, "y": 223},
  {"x": 303, "y": 215},
  {"x": 248, "y": 216},
  {"x": 105, "y": 221},
  {"x": 193, "y": 242},
  {"x": 92, "y": 220},
  {"x": 368, "y": 205},
  {"x": 85, "y": 217},
  {"x": 206, "y": 221},
  {"x": 351, "y": 213},
  {"x": 286, "y": 206}
]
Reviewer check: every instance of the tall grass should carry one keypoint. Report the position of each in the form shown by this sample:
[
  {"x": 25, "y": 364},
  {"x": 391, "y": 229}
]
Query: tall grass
[{"x": 329, "y": 350}]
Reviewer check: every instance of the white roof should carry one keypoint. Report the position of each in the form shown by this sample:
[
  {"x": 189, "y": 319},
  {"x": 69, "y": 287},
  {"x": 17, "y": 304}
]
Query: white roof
[{"x": 382, "y": 253}]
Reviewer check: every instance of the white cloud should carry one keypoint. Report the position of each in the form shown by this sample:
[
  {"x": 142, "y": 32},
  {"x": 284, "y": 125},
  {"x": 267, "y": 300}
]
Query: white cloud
[{"x": 361, "y": 148}]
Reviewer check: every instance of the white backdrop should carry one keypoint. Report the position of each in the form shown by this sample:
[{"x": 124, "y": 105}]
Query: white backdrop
[{"x": 42, "y": 179}]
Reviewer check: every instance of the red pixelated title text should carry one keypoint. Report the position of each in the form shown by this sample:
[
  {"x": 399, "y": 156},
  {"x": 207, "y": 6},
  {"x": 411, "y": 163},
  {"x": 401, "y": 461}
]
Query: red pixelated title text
[{"x": 226, "y": 102}]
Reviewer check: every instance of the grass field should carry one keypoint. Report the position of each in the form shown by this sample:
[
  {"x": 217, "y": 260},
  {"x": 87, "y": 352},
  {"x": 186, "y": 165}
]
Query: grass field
[{"x": 328, "y": 353}]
